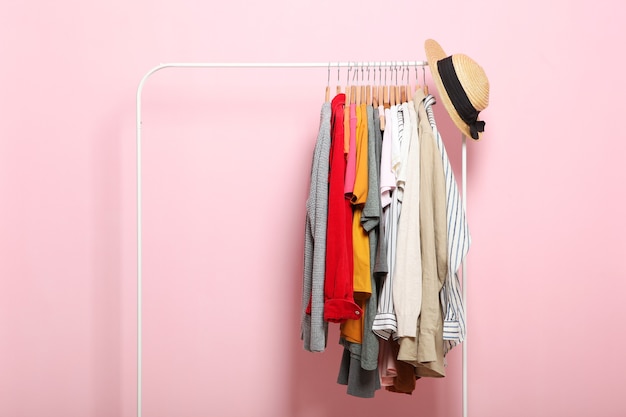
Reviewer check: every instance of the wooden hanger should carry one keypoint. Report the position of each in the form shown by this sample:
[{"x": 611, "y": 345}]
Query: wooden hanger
[
  {"x": 401, "y": 90},
  {"x": 384, "y": 97},
  {"x": 368, "y": 89},
  {"x": 327, "y": 93},
  {"x": 338, "y": 86},
  {"x": 396, "y": 90},
  {"x": 383, "y": 91},
  {"x": 386, "y": 103},
  {"x": 379, "y": 98},
  {"x": 417, "y": 81},
  {"x": 346, "y": 114},
  {"x": 409, "y": 95},
  {"x": 424, "y": 77},
  {"x": 347, "y": 103},
  {"x": 375, "y": 89},
  {"x": 375, "y": 92},
  {"x": 363, "y": 89},
  {"x": 354, "y": 91}
]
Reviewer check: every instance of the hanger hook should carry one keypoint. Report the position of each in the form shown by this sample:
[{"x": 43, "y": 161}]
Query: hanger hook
[
  {"x": 328, "y": 81},
  {"x": 348, "y": 74},
  {"x": 408, "y": 72},
  {"x": 424, "y": 74},
  {"x": 395, "y": 67},
  {"x": 362, "y": 72},
  {"x": 374, "y": 73}
]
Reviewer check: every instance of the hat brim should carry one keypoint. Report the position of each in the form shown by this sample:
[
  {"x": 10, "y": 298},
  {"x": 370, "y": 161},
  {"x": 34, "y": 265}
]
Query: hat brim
[{"x": 435, "y": 53}]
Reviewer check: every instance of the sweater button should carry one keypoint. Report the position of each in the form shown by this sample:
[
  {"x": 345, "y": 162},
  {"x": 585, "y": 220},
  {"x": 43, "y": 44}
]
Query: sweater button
[{"x": 357, "y": 312}]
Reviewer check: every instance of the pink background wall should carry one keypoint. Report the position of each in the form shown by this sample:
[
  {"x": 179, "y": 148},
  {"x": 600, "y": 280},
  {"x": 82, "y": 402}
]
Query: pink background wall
[{"x": 227, "y": 157}]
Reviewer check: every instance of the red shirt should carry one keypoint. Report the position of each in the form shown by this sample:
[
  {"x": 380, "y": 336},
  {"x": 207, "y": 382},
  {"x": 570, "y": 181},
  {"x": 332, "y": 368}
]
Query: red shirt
[{"x": 339, "y": 304}]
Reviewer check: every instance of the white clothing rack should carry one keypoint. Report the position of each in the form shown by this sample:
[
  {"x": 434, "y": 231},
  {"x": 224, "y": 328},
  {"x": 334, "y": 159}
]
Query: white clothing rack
[{"x": 350, "y": 65}]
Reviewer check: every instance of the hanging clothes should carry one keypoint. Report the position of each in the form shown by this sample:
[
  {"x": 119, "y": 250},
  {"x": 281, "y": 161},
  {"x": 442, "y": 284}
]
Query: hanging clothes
[
  {"x": 459, "y": 241},
  {"x": 384, "y": 263},
  {"x": 339, "y": 304},
  {"x": 352, "y": 330},
  {"x": 407, "y": 280},
  {"x": 360, "y": 237},
  {"x": 426, "y": 351},
  {"x": 313, "y": 327},
  {"x": 385, "y": 323},
  {"x": 370, "y": 221},
  {"x": 407, "y": 274},
  {"x": 380, "y": 264},
  {"x": 359, "y": 365}
]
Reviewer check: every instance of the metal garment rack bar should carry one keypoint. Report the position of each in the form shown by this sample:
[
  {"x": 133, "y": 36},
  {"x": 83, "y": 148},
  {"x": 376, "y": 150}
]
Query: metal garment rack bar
[
  {"x": 354, "y": 65},
  {"x": 464, "y": 274}
]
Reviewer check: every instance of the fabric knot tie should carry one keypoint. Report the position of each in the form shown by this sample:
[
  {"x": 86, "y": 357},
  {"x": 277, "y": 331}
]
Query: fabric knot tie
[{"x": 477, "y": 126}]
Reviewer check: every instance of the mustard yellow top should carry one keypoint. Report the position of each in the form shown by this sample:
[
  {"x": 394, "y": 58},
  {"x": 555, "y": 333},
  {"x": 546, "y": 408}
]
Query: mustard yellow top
[{"x": 352, "y": 330}]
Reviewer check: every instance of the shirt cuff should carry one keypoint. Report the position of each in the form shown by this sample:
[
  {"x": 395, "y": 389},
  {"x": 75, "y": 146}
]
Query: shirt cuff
[{"x": 338, "y": 311}]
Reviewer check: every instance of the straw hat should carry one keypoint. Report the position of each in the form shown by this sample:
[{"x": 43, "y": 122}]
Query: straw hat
[{"x": 462, "y": 85}]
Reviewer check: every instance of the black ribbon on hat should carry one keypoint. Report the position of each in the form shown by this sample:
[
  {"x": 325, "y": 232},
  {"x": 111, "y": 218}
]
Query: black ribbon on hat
[{"x": 459, "y": 99}]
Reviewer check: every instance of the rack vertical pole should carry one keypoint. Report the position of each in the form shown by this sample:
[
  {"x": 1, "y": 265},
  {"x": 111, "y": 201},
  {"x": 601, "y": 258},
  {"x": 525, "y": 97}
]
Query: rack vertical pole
[
  {"x": 138, "y": 124},
  {"x": 464, "y": 272},
  {"x": 139, "y": 249}
]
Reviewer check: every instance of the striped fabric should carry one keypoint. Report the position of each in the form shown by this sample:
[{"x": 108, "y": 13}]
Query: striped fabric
[
  {"x": 385, "y": 324},
  {"x": 459, "y": 241}
]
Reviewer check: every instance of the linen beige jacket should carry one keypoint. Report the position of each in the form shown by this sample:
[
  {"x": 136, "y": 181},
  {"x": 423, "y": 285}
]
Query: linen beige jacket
[{"x": 425, "y": 351}]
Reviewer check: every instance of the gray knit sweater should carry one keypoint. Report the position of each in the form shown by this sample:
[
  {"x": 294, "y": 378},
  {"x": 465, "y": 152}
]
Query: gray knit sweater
[{"x": 314, "y": 328}]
